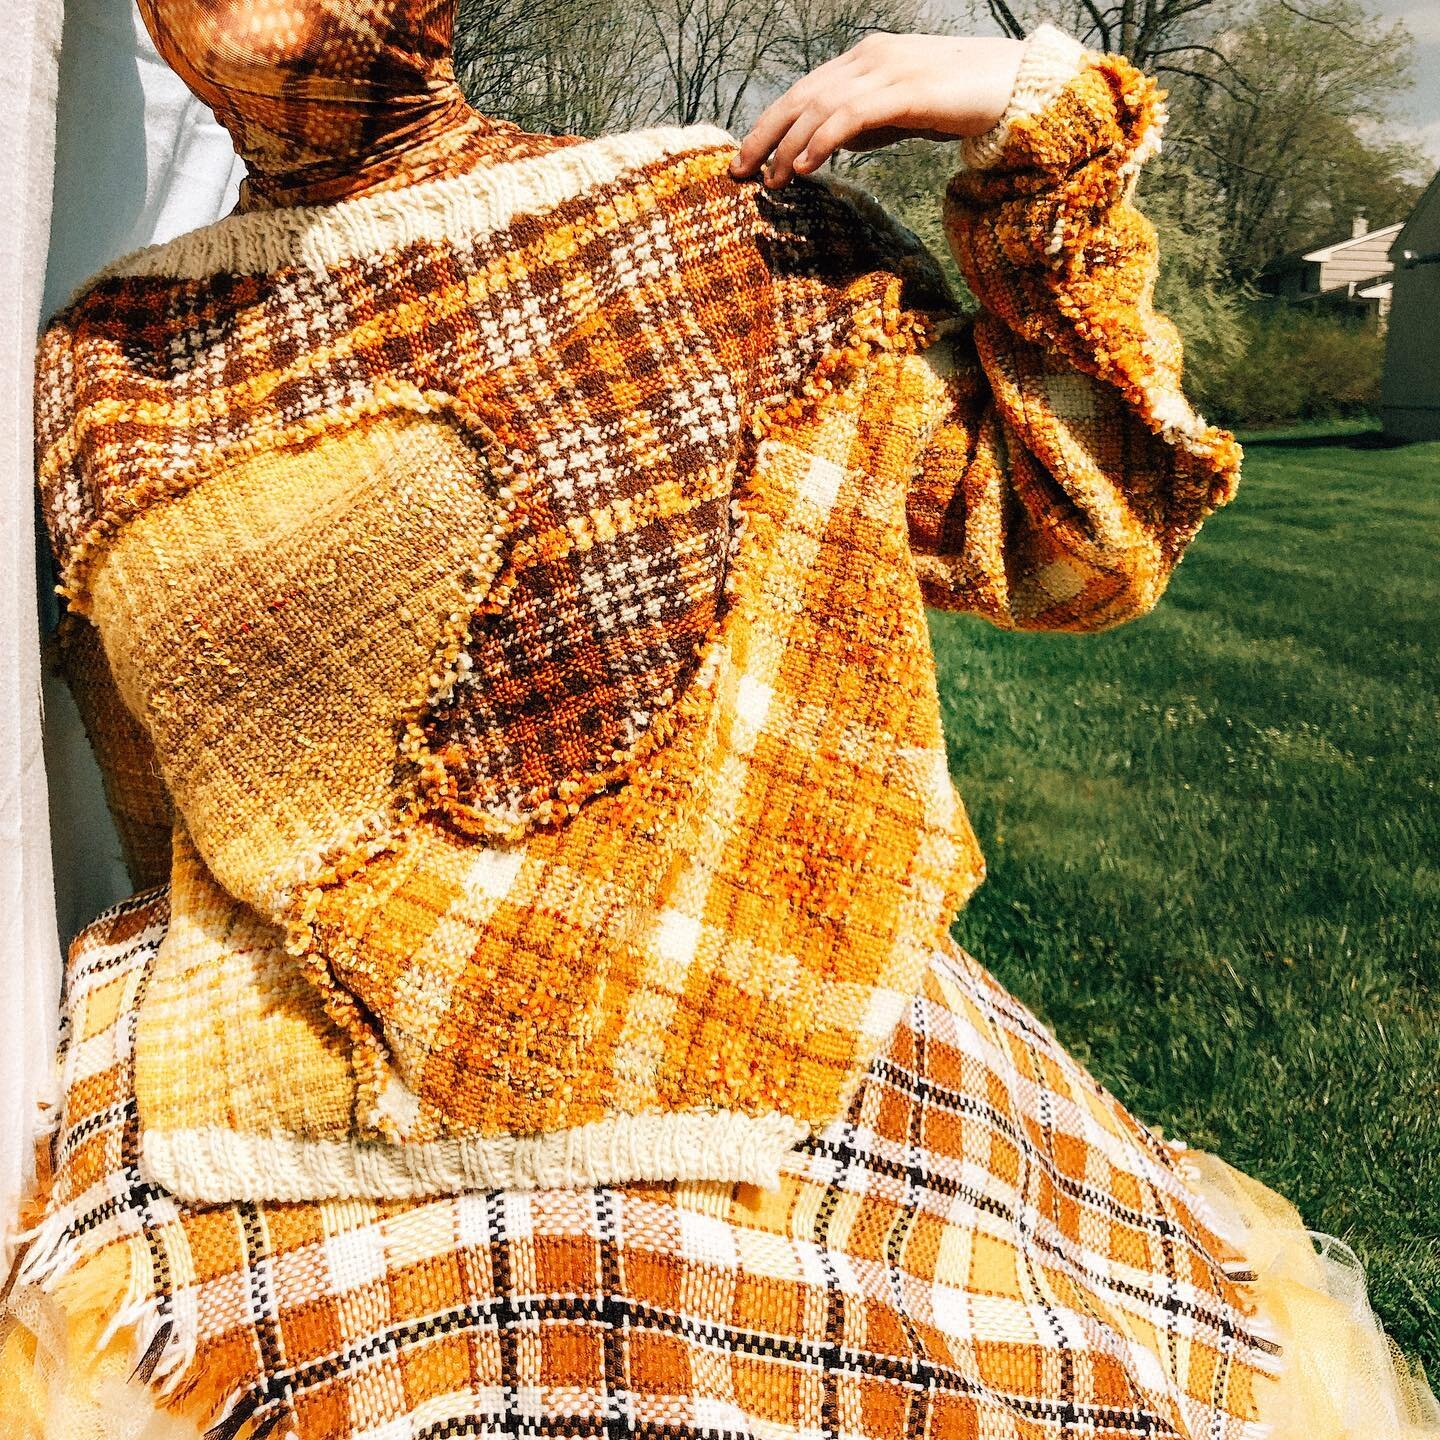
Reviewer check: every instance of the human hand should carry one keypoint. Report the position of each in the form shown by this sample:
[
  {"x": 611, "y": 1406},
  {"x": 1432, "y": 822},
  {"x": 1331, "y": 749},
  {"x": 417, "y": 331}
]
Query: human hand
[{"x": 886, "y": 88}]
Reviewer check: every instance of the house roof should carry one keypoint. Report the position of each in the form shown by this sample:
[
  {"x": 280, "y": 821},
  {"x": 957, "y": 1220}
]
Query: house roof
[
  {"x": 1328, "y": 252},
  {"x": 1324, "y": 252},
  {"x": 1429, "y": 197}
]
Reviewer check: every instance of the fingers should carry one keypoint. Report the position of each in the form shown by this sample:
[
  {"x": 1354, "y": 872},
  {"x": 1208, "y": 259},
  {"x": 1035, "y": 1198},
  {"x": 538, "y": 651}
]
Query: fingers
[
  {"x": 767, "y": 133},
  {"x": 888, "y": 87},
  {"x": 806, "y": 131},
  {"x": 794, "y": 142},
  {"x": 843, "y": 126},
  {"x": 803, "y": 104},
  {"x": 857, "y": 100}
]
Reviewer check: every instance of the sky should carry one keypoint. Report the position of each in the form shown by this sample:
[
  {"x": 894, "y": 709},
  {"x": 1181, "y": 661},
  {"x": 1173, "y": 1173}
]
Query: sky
[{"x": 1420, "y": 109}]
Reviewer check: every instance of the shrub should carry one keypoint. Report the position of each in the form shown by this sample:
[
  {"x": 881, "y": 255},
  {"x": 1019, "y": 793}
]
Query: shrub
[{"x": 1290, "y": 365}]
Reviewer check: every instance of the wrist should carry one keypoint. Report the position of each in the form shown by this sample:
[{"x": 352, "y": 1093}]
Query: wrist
[
  {"x": 984, "y": 71},
  {"x": 1048, "y": 59}
]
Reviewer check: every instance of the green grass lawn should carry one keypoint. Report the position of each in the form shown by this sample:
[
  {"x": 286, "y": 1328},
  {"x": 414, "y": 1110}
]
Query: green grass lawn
[{"x": 1214, "y": 844}]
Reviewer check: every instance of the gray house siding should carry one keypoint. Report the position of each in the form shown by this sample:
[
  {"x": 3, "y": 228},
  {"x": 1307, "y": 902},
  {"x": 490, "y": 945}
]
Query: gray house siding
[
  {"x": 1410, "y": 386},
  {"x": 1347, "y": 277}
]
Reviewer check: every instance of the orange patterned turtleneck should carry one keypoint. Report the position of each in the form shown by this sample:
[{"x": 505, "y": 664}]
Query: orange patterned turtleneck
[{"x": 328, "y": 99}]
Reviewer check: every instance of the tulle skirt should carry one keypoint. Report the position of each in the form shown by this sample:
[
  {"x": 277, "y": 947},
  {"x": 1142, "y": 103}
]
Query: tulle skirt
[{"x": 1342, "y": 1376}]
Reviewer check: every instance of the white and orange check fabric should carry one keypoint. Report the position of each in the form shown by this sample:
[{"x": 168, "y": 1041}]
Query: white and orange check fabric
[{"x": 985, "y": 1243}]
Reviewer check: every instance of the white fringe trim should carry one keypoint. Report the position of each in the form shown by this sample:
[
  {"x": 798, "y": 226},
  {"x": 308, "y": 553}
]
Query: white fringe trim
[{"x": 54, "y": 1255}]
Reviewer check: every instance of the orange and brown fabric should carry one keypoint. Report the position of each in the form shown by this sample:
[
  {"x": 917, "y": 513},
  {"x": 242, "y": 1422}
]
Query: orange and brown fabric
[
  {"x": 518, "y": 573},
  {"x": 984, "y": 1243},
  {"x": 514, "y": 552}
]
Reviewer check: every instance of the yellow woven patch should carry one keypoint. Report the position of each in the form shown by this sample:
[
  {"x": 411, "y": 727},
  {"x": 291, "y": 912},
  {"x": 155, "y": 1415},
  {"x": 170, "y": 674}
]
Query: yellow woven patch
[
  {"x": 230, "y": 1032},
  {"x": 275, "y": 625}
]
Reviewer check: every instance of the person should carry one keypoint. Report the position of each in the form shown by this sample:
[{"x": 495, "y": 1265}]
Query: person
[{"x": 500, "y": 556}]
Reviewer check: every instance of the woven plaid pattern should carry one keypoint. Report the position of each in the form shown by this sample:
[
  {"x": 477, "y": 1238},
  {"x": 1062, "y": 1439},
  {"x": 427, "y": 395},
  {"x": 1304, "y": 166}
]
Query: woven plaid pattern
[
  {"x": 519, "y": 575},
  {"x": 328, "y": 100},
  {"x": 627, "y": 453},
  {"x": 706, "y": 934},
  {"x": 984, "y": 1243},
  {"x": 679, "y": 1021}
]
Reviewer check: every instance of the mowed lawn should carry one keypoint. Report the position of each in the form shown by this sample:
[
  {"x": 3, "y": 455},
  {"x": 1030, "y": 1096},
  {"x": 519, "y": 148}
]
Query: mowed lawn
[{"x": 1214, "y": 844}]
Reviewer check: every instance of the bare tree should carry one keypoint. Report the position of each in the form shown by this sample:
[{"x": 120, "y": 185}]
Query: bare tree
[
  {"x": 566, "y": 66},
  {"x": 814, "y": 31},
  {"x": 711, "y": 52},
  {"x": 1156, "y": 34},
  {"x": 1290, "y": 149},
  {"x": 589, "y": 66}
]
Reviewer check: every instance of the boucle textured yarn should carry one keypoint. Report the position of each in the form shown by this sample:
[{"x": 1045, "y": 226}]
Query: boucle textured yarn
[{"x": 520, "y": 575}]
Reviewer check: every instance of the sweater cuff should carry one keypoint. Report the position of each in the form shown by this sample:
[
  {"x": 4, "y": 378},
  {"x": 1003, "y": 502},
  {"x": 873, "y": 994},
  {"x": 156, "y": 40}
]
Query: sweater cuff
[{"x": 1050, "y": 60}]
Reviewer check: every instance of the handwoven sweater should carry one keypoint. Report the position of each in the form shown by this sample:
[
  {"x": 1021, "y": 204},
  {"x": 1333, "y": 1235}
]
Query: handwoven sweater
[{"x": 520, "y": 577}]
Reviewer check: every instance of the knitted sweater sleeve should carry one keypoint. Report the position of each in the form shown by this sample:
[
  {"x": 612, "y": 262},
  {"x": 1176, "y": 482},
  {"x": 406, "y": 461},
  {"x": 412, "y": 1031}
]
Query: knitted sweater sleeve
[{"x": 1065, "y": 471}]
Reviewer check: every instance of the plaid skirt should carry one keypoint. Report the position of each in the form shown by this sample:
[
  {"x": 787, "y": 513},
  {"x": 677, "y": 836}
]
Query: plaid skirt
[{"x": 986, "y": 1245}]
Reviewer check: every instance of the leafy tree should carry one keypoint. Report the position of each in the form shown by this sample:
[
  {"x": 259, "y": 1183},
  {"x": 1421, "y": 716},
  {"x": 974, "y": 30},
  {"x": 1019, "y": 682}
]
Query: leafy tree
[{"x": 1194, "y": 287}]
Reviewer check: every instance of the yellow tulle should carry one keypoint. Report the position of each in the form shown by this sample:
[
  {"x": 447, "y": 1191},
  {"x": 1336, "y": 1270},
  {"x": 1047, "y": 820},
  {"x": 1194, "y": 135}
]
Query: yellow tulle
[
  {"x": 1343, "y": 1379},
  {"x": 66, "y": 1367}
]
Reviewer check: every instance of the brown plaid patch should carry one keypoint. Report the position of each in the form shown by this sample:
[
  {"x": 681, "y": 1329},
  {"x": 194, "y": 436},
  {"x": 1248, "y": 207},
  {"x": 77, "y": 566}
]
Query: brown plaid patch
[{"x": 620, "y": 401}]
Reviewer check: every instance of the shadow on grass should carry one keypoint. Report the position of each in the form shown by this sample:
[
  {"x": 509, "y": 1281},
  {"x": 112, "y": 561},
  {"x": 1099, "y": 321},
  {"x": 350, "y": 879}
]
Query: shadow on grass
[{"x": 1346, "y": 439}]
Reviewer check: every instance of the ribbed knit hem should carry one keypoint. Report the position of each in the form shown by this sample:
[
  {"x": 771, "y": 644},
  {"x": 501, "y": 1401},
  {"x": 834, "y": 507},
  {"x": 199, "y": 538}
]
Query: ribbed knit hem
[
  {"x": 1050, "y": 60},
  {"x": 212, "y": 1166},
  {"x": 473, "y": 204}
]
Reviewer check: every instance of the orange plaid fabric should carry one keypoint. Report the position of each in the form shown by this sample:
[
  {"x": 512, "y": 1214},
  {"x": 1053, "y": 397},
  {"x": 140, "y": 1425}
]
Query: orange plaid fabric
[
  {"x": 519, "y": 576},
  {"x": 984, "y": 1243}
]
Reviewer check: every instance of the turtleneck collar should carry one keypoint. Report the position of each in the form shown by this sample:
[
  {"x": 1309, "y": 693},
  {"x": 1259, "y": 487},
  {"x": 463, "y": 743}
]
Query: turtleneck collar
[{"x": 329, "y": 99}]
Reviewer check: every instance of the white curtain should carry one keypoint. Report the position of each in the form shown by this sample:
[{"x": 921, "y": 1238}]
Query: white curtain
[
  {"x": 29, "y": 949},
  {"x": 130, "y": 158}
]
